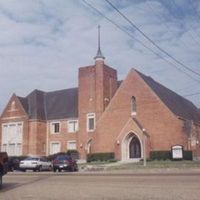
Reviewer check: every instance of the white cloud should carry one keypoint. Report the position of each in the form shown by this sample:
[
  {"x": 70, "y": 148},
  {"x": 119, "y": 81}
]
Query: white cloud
[{"x": 44, "y": 42}]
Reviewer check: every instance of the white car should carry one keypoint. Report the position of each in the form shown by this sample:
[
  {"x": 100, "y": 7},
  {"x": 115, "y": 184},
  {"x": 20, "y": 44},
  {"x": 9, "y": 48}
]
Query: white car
[{"x": 35, "y": 164}]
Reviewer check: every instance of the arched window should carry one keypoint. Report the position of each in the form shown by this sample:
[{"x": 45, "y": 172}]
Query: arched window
[
  {"x": 133, "y": 106},
  {"x": 13, "y": 105}
]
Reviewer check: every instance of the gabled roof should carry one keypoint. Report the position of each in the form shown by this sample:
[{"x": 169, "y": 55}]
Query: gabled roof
[
  {"x": 176, "y": 103},
  {"x": 62, "y": 104},
  {"x": 51, "y": 105}
]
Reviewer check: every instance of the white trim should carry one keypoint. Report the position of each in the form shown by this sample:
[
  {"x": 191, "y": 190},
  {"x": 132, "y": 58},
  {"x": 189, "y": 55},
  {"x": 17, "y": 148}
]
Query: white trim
[
  {"x": 12, "y": 137},
  {"x": 17, "y": 117},
  {"x": 76, "y": 126},
  {"x": 60, "y": 120},
  {"x": 122, "y": 130},
  {"x": 8, "y": 123},
  {"x": 88, "y": 146},
  {"x": 54, "y": 142},
  {"x": 51, "y": 127},
  {"x": 71, "y": 141},
  {"x": 125, "y": 146}
]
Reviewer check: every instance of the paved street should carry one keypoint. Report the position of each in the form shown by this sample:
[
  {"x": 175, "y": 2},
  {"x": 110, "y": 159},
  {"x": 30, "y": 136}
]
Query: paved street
[{"x": 49, "y": 185}]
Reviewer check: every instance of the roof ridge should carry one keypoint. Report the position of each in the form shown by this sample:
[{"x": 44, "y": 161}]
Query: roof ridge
[
  {"x": 166, "y": 88},
  {"x": 177, "y": 104},
  {"x": 62, "y": 90}
]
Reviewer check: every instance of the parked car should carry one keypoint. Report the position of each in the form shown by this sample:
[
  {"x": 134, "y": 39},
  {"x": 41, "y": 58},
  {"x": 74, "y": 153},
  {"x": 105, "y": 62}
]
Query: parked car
[
  {"x": 35, "y": 164},
  {"x": 3, "y": 166},
  {"x": 13, "y": 163},
  {"x": 64, "y": 162}
]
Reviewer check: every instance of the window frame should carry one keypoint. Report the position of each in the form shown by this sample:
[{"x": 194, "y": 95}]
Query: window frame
[
  {"x": 91, "y": 116},
  {"x": 52, "y": 127},
  {"x": 54, "y": 142},
  {"x": 12, "y": 137},
  {"x": 75, "y": 126},
  {"x": 133, "y": 106},
  {"x": 71, "y": 141}
]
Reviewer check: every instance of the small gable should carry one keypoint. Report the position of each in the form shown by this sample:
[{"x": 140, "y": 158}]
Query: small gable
[
  {"x": 14, "y": 108},
  {"x": 44, "y": 105}
]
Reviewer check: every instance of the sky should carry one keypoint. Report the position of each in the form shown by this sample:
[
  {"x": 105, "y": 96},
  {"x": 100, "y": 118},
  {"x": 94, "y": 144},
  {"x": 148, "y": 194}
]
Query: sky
[{"x": 44, "y": 42}]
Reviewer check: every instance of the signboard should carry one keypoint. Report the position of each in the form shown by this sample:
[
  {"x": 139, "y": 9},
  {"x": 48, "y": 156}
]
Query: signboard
[{"x": 177, "y": 152}]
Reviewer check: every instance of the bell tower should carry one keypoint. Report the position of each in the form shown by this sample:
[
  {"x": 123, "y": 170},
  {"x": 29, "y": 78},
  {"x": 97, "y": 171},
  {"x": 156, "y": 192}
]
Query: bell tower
[{"x": 97, "y": 85}]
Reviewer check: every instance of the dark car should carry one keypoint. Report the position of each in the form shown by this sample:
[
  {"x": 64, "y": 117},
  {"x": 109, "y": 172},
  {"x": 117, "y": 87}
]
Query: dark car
[
  {"x": 64, "y": 162},
  {"x": 3, "y": 166},
  {"x": 13, "y": 163}
]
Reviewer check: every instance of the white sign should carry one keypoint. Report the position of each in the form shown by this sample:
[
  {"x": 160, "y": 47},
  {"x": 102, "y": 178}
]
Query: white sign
[{"x": 177, "y": 152}]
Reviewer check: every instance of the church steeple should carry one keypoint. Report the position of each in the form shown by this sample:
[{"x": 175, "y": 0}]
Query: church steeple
[{"x": 99, "y": 55}]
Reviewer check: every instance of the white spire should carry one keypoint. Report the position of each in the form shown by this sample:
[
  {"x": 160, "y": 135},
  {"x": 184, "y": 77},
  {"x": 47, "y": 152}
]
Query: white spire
[{"x": 99, "y": 55}]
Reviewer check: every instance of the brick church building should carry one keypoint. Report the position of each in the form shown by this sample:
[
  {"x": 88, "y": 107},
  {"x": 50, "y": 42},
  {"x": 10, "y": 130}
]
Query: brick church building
[{"x": 130, "y": 118}]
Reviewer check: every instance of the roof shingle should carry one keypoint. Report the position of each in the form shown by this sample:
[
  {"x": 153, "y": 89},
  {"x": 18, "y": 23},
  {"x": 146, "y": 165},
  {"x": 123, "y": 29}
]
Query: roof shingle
[{"x": 51, "y": 105}]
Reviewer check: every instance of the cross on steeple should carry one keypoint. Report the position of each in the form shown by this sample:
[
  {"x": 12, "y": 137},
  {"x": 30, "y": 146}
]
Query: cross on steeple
[{"x": 99, "y": 55}]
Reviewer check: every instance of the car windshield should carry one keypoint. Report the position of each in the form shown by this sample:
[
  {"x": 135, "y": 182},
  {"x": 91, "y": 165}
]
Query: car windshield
[
  {"x": 35, "y": 159},
  {"x": 63, "y": 157}
]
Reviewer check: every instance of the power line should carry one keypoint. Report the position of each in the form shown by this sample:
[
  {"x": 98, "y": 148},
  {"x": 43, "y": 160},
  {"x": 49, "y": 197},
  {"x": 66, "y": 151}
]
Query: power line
[
  {"x": 169, "y": 29},
  {"x": 135, "y": 39},
  {"x": 150, "y": 40},
  {"x": 188, "y": 87},
  {"x": 182, "y": 13},
  {"x": 194, "y": 94}
]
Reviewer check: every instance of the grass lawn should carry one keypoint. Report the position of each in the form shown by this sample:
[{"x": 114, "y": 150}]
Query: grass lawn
[
  {"x": 159, "y": 164},
  {"x": 139, "y": 165}
]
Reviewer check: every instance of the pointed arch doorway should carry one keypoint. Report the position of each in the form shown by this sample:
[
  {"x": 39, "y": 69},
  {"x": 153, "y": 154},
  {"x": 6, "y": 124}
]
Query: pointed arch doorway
[{"x": 132, "y": 147}]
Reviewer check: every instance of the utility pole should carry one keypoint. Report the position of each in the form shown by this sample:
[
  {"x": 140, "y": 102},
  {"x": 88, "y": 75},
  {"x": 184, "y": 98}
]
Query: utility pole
[{"x": 144, "y": 148}]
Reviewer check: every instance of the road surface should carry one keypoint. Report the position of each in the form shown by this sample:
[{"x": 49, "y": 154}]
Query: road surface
[{"x": 99, "y": 186}]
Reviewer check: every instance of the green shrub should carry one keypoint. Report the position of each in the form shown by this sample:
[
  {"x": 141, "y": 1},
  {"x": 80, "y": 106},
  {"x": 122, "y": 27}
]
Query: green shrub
[
  {"x": 166, "y": 155},
  {"x": 53, "y": 156},
  {"x": 160, "y": 155},
  {"x": 100, "y": 156},
  {"x": 187, "y": 155}
]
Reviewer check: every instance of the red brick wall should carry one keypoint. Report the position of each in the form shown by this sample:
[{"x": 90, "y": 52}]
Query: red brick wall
[
  {"x": 160, "y": 123},
  {"x": 97, "y": 85},
  {"x": 63, "y": 136},
  {"x": 34, "y": 132},
  {"x": 98, "y": 94},
  {"x": 17, "y": 114},
  {"x": 37, "y": 137}
]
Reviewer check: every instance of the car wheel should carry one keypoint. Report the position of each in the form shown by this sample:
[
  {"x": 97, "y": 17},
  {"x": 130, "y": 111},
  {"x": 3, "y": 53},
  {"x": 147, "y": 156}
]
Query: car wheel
[
  {"x": 72, "y": 169},
  {"x": 40, "y": 169},
  {"x": 54, "y": 169},
  {"x": 76, "y": 168},
  {"x": 59, "y": 170}
]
